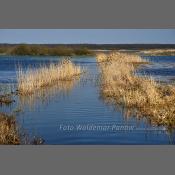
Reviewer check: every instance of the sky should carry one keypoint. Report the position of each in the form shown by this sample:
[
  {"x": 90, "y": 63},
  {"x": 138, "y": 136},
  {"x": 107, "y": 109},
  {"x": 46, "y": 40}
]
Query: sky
[{"x": 80, "y": 36}]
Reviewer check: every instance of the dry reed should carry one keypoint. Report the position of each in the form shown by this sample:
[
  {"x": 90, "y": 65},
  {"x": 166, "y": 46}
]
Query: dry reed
[
  {"x": 120, "y": 84},
  {"x": 34, "y": 79},
  {"x": 119, "y": 57},
  {"x": 8, "y": 130}
]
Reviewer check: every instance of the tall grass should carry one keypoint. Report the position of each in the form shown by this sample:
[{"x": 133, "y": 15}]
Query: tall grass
[
  {"x": 8, "y": 130},
  {"x": 34, "y": 79},
  {"x": 120, "y": 83},
  {"x": 119, "y": 57}
]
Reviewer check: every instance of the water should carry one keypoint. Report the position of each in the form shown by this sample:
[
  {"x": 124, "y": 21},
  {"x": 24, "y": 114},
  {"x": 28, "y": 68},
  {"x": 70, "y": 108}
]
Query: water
[
  {"x": 163, "y": 68},
  {"x": 75, "y": 113}
]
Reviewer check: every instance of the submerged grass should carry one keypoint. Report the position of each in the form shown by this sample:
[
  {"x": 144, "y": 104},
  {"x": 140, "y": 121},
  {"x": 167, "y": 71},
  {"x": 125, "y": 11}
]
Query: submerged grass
[
  {"x": 120, "y": 83},
  {"x": 34, "y": 79},
  {"x": 6, "y": 94},
  {"x": 6, "y": 99}
]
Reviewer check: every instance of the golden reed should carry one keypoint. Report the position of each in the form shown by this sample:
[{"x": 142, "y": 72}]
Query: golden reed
[
  {"x": 34, "y": 79},
  {"x": 8, "y": 130},
  {"x": 120, "y": 83}
]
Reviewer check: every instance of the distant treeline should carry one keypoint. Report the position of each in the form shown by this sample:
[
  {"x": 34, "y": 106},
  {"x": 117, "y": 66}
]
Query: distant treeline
[
  {"x": 73, "y": 49},
  {"x": 43, "y": 50}
]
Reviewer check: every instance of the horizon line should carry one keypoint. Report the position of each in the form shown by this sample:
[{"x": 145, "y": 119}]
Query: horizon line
[{"x": 89, "y": 43}]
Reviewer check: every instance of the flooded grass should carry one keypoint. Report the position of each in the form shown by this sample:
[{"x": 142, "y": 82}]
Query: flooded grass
[
  {"x": 32, "y": 80},
  {"x": 120, "y": 83},
  {"x": 130, "y": 98},
  {"x": 6, "y": 99},
  {"x": 6, "y": 94},
  {"x": 8, "y": 130},
  {"x": 10, "y": 133}
]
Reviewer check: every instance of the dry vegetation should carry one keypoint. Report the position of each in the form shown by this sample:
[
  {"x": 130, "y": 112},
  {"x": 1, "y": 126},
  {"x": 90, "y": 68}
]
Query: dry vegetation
[
  {"x": 8, "y": 130},
  {"x": 5, "y": 99},
  {"x": 120, "y": 58},
  {"x": 10, "y": 133},
  {"x": 144, "y": 95},
  {"x": 33, "y": 79},
  {"x": 159, "y": 52}
]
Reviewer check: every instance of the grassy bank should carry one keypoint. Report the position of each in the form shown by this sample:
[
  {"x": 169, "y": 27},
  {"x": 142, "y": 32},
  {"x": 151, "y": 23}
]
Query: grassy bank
[
  {"x": 34, "y": 79},
  {"x": 42, "y": 50},
  {"x": 146, "y": 97}
]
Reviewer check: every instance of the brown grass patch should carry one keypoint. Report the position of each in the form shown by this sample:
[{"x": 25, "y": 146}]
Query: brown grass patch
[
  {"x": 8, "y": 130},
  {"x": 120, "y": 58},
  {"x": 32, "y": 80},
  {"x": 120, "y": 83}
]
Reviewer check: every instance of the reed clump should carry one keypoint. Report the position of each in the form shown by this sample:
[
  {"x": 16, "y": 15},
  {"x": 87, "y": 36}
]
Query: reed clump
[
  {"x": 120, "y": 83},
  {"x": 34, "y": 79},
  {"x": 120, "y": 57},
  {"x": 5, "y": 99},
  {"x": 8, "y": 130}
]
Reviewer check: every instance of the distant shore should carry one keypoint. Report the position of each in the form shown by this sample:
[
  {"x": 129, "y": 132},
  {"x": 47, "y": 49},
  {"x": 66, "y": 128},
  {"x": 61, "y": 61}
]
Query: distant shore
[
  {"x": 84, "y": 49},
  {"x": 40, "y": 50}
]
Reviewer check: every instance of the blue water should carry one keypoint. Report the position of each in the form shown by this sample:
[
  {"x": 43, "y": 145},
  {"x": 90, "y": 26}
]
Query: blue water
[
  {"x": 76, "y": 113},
  {"x": 163, "y": 67}
]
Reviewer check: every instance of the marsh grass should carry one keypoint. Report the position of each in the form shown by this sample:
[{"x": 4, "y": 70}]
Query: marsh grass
[
  {"x": 8, "y": 130},
  {"x": 120, "y": 83},
  {"x": 120, "y": 58},
  {"x": 33, "y": 79}
]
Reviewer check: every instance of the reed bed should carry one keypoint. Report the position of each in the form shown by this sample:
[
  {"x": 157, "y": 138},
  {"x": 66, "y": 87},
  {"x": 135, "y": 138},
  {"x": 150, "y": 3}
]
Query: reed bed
[
  {"x": 8, "y": 130},
  {"x": 33, "y": 79},
  {"x": 119, "y": 57},
  {"x": 120, "y": 83}
]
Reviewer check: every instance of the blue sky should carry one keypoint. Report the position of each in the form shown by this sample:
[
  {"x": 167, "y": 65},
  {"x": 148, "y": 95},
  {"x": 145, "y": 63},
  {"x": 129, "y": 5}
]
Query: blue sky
[{"x": 99, "y": 36}]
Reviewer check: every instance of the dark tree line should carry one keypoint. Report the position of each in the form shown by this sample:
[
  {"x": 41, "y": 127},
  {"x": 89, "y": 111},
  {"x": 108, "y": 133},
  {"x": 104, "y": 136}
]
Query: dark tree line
[
  {"x": 43, "y": 50},
  {"x": 72, "y": 49}
]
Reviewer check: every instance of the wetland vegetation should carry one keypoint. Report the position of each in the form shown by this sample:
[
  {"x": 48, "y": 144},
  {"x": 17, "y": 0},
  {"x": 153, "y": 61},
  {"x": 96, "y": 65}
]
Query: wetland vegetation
[
  {"x": 31, "y": 80},
  {"x": 148, "y": 98},
  {"x": 53, "y": 91}
]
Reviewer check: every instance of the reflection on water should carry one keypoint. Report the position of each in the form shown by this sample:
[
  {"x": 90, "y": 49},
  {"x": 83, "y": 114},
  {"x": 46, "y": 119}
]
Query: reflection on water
[
  {"x": 46, "y": 95},
  {"x": 150, "y": 125}
]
